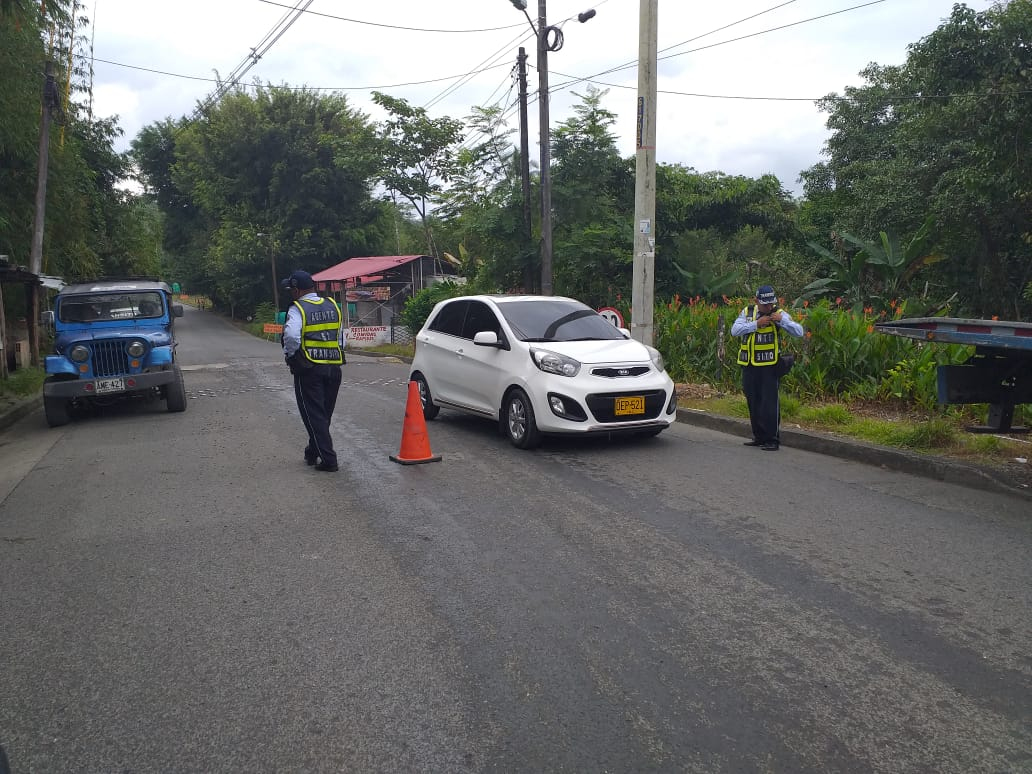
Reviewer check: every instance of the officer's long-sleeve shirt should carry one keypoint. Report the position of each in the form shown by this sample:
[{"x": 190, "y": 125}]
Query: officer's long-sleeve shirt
[
  {"x": 292, "y": 327},
  {"x": 743, "y": 326}
]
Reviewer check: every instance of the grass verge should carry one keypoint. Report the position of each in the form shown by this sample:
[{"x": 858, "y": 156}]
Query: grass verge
[{"x": 22, "y": 383}]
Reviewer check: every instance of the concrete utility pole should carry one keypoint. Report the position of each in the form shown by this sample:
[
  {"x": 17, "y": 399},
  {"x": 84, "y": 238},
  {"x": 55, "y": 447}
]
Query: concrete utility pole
[
  {"x": 643, "y": 287},
  {"x": 528, "y": 228},
  {"x": 546, "y": 153},
  {"x": 50, "y": 103}
]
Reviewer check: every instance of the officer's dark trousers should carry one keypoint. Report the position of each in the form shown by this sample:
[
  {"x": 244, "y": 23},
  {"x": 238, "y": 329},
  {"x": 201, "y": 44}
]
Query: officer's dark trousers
[
  {"x": 760, "y": 385},
  {"x": 316, "y": 391}
]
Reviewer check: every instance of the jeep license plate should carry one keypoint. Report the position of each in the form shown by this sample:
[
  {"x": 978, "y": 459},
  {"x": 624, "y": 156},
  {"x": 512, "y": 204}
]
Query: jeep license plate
[
  {"x": 633, "y": 404},
  {"x": 101, "y": 386}
]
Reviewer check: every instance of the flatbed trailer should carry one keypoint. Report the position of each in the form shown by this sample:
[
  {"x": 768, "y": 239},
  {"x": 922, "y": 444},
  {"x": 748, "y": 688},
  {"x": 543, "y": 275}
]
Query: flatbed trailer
[{"x": 999, "y": 372}]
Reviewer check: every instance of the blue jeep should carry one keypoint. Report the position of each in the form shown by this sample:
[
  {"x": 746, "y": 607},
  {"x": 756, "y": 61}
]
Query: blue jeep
[{"x": 112, "y": 338}]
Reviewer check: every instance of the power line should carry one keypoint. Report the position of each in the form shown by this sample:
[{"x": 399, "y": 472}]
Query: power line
[
  {"x": 398, "y": 27},
  {"x": 629, "y": 65},
  {"x": 266, "y": 43},
  {"x": 293, "y": 88}
]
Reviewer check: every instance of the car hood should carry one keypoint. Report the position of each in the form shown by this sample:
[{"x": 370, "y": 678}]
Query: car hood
[{"x": 590, "y": 352}]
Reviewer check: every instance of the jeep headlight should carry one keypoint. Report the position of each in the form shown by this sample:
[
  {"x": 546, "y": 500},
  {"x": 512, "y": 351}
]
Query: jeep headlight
[
  {"x": 554, "y": 363},
  {"x": 657, "y": 358},
  {"x": 79, "y": 353},
  {"x": 136, "y": 349}
]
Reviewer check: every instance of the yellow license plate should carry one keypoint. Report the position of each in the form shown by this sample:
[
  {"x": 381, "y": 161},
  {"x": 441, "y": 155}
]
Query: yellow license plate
[{"x": 634, "y": 404}]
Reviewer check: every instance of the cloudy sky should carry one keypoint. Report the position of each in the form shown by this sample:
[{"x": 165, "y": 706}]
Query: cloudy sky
[{"x": 736, "y": 83}]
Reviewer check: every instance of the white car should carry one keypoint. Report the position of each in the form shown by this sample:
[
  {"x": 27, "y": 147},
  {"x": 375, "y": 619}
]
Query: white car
[{"x": 540, "y": 365}]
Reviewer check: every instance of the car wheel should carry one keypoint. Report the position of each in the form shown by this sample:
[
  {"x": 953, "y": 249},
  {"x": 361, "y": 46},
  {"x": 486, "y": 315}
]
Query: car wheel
[
  {"x": 430, "y": 411},
  {"x": 56, "y": 411},
  {"x": 651, "y": 433},
  {"x": 520, "y": 424},
  {"x": 175, "y": 392}
]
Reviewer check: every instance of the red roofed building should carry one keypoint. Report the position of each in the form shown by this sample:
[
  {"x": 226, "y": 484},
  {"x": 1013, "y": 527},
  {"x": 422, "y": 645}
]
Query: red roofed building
[{"x": 373, "y": 289}]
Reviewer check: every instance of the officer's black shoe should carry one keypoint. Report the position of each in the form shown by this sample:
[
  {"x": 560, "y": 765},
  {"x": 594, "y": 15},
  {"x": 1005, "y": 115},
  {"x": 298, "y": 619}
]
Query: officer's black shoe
[
  {"x": 311, "y": 460},
  {"x": 770, "y": 447},
  {"x": 326, "y": 467},
  {"x": 753, "y": 442}
]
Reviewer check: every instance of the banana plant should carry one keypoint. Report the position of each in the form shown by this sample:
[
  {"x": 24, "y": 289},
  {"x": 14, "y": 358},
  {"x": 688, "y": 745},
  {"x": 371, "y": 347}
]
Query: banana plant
[
  {"x": 896, "y": 263},
  {"x": 846, "y": 279}
]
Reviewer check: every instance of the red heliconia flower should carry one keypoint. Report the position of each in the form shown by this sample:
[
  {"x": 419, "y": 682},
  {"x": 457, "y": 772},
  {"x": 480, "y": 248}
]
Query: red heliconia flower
[
  {"x": 806, "y": 304},
  {"x": 838, "y": 301}
]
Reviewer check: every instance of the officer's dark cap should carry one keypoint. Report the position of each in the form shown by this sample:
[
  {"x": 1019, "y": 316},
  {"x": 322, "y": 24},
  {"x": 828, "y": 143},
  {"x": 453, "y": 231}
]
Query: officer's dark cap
[{"x": 299, "y": 279}]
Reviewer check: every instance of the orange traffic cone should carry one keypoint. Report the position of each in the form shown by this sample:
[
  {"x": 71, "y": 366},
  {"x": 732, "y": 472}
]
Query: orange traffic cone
[{"x": 415, "y": 445}]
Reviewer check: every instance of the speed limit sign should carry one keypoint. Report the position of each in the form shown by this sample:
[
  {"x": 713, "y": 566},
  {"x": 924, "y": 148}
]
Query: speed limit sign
[{"x": 613, "y": 315}]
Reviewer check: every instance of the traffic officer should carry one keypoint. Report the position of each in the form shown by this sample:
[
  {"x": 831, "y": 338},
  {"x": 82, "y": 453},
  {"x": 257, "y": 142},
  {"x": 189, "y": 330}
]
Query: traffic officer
[
  {"x": 313, "y": 348},
  {"x": 760, "y": 325}
]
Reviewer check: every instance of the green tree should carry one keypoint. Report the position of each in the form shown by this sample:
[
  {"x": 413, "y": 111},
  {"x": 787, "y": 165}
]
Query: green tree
[
  {"x": 273, "y": 164},
  {"x": 417, "y": 156},
  {"x": 944, "y": 135},
  {"x": 592, "y": 194}
]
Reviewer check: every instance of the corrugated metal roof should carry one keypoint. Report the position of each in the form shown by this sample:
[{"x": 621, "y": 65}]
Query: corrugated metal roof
[{"x": 353, "y": 268}]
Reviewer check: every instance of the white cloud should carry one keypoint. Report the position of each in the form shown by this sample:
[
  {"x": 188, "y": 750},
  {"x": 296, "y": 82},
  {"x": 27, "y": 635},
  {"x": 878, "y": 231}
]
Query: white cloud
[{"x": 746, "y": 137}]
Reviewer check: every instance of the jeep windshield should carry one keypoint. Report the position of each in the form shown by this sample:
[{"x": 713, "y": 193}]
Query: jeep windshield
[{"x": 105, "y": 307}]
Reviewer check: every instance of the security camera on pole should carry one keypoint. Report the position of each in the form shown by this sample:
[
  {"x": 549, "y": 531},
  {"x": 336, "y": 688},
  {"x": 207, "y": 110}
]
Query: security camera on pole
[{"x": 643, "y": 286}]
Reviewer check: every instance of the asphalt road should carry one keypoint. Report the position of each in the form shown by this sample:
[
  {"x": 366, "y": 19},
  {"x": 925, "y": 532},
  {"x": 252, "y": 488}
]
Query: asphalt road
[{"x": 179, "y": 592}]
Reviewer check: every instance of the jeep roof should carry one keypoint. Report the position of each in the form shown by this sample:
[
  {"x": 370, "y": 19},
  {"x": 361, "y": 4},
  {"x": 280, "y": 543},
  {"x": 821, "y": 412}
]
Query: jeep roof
[{"x": 115, "y": 285}]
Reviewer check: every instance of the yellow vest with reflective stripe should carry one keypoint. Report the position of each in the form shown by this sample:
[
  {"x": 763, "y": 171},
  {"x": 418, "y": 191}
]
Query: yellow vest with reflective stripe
[
  {"x": 762, "y": 347},
  {"x": 320, "y": 330}
]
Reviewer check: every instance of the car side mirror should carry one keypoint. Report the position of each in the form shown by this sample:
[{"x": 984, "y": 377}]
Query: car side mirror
[
  {"x": 46, "y": 319},
  {"x": 625, "y": 332},
  {"x": 177, "y": 310},
  {"x": 488, "y": 339}
]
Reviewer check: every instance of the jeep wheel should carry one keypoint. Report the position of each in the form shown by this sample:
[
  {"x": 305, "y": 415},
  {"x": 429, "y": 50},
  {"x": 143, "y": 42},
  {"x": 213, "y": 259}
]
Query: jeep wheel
[
  {"x": 175, "y": 392},
  {"x": 56, "y": 411}
]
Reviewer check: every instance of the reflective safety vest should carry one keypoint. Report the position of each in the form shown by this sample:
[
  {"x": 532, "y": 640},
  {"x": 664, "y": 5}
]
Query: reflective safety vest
[
  {"x": 320, "y": 330},
  {"x": 761, "y": 348}
]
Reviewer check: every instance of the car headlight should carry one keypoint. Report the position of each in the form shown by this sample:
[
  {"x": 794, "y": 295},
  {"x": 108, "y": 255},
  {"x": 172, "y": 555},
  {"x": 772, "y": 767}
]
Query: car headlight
[
  {"x": 136, "y": 349},
  {"x": 555, "y": 363},
  {"x": 657, "y": 358},
  {"x": 79, "y": 353}
]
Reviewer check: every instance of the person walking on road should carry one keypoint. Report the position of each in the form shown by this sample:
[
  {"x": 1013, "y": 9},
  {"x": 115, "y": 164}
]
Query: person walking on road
[
  {"x": 313, "y": 348},
  {"x": 760, "y": 327}
]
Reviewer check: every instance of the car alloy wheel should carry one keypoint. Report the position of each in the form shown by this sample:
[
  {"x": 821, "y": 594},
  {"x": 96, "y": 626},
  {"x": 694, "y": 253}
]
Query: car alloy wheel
[{"x": 520, "y": 422}]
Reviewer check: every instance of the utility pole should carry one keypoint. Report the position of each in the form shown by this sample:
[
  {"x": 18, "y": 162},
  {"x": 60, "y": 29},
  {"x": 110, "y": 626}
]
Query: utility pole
[
  {"x": 50, "y": 103},
  {"x": 546, "y": 153},
  {"x": 528, "y": 229},
  {"x": 643, "y": 288},
  {"x": 272, "y": 263}
]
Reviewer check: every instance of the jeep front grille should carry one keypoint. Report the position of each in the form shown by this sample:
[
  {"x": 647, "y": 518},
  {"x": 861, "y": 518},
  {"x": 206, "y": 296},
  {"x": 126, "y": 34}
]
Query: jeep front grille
[{"x": 109, "y": 358}]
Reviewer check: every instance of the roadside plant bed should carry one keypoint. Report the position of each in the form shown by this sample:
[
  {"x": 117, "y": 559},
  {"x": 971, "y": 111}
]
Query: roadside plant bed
[{"x": 885, "y": 423}]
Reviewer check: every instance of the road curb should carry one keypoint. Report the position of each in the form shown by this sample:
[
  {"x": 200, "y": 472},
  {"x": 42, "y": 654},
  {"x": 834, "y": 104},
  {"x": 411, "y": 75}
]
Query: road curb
[
  {"x": 928, "y": 466},
  {"x": 20, "y": 409}
]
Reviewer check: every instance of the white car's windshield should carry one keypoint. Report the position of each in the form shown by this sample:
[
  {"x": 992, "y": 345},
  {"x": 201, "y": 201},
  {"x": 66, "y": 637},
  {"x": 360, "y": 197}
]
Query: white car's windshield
[{"x": 557, "y": 320}]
